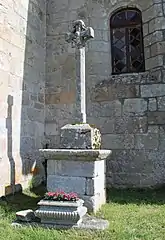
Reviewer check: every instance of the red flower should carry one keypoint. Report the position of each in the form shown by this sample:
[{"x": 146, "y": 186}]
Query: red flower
[
  {"x": 61, "y": 196},
  {"x": 50, "y": 194}
]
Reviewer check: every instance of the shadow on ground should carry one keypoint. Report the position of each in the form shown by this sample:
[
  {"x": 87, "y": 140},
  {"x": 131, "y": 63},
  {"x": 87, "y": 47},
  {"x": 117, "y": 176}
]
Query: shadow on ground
[
  {"x": 136, "y": 196},
  {"x": 29, "y": 198},
  {"x": 23, "y": 200}
]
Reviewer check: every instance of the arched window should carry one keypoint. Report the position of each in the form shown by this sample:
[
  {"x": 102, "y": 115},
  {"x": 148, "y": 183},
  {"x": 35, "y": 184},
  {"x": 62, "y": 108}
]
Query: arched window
[{"x": 127, "y": 41}]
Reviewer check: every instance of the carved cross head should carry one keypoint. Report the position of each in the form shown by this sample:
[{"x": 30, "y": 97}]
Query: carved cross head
[{"x": 80, "y": 34}]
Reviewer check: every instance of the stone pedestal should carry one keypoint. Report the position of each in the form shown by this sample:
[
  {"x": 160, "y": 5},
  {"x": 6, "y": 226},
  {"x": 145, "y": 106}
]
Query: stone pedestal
[{"x": 79, "y": 166}]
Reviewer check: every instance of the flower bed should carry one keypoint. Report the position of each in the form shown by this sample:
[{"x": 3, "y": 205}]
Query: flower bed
[
  {"x": 61, "y": 208},
  {"x": 61, "y": 196}
]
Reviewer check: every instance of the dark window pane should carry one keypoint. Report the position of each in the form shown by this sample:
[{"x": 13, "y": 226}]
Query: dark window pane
[
  {"x": 127, "y": 42},
  {"x": 125, "y": 18},
  {"x": 133, "y": 16}
]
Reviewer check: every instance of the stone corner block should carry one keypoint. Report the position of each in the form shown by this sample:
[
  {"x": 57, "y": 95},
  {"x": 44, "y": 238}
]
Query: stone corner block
[
  {"x": 80, "y": 136},
  {"x": 94, "y": 203},
  {"x": 25, "y": 215}
]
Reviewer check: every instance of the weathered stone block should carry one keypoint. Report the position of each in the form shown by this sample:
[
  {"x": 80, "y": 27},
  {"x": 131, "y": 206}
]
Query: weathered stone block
[
  {"x": 147, "y": 141},
  {"x": 136, "y": 106},
  {"x": 99, "y": 46},
  {"x": 54, "y": 6},
  {"x": 66, "y": 183},
  {"x": 154, "y": 62},
  {"x": 51, "y": 129},
  {"x": 104, "y": 109},
  {"x": 25, "y": 215},
  {"x": 106, "y": 91},
  {"x": 153, "y": 129},
  {"x": 156, "y": 118},
  {"x": 118, "y": 141},
  {"x": 152, "y": 104},
  {"x": 128, "y": 161},
  {"x": 134, "y": 78},
  {"x": 99, "y": 23},
  {"x": 60, "y": 98},
  {"x": 153, "y": 90},
  {"x": 105, "y": 125},
  {"x": 129, "y": 124},
  {"x": 80, "y": 136},
  {"x": 86, "y": 169},
  {"x": 161, "y": 103},
  {"x": 122, "y": 180},
  {"x": 161, "y": 138}
]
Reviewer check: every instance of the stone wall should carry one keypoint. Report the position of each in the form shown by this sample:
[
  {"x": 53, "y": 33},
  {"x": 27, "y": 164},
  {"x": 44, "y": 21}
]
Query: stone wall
[
  {"x": 22, "y": 70},
  {"x": 128, "y": 109},
  {"x": 60, "y": 58}
]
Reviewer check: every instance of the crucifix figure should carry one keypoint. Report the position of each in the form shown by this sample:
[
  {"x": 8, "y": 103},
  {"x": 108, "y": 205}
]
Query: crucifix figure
[{"x": 78, "y": 38}]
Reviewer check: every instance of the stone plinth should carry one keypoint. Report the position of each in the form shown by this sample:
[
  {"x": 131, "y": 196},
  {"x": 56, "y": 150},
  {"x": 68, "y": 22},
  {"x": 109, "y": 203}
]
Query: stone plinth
[
  {"x": 80, "y": 136},
  {"x": 80, "y": 171},
  {"x": 61, "y": 213}
]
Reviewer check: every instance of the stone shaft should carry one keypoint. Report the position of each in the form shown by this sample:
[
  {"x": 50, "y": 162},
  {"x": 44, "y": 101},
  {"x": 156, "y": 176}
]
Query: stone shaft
[
  {"x": 78, "y": 38},
  {"x": 80, "y": 85}
]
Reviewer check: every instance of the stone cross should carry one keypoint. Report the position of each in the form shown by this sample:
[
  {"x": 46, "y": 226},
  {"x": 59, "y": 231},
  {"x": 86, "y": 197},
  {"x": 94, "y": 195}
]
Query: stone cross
[{"x": 78, "y": 37}]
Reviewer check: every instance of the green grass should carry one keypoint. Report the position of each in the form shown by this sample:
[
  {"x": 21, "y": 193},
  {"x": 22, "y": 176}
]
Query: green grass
[{"x": 132, "y": 214}]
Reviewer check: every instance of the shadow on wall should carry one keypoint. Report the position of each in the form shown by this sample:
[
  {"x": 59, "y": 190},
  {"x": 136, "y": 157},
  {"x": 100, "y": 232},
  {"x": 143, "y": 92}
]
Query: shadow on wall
[
  {"x": 32, "y": 111},
  {"x": 10, "y": 142}
]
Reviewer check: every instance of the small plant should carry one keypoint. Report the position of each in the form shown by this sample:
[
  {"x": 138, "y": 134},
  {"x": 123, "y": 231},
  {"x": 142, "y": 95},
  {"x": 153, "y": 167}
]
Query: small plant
[{"x": 61, "y": 196}]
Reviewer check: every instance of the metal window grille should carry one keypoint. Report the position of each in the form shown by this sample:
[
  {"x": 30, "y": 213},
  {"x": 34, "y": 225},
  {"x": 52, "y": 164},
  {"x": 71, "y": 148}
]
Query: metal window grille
[{"x": 127, "y": 42}]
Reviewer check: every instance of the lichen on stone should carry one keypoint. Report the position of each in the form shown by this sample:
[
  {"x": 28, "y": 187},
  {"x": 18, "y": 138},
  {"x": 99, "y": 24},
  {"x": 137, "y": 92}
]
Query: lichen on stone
[{"x": 96, "y": 141}]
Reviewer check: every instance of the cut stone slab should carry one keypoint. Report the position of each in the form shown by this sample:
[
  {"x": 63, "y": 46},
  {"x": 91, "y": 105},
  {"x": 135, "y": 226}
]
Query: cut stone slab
[
  {"x": 88, "y": 223},
  {"x": 75, "y": 154},
  {"x": 25, "y": 215},
  {"x": 80, "y": 136}
]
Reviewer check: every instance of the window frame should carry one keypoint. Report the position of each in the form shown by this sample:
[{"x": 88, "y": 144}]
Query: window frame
[{"x": 126, "y": 28}]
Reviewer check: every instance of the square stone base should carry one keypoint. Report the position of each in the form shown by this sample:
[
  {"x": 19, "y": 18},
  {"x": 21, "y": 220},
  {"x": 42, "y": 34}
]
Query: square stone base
[{"x": 79, "y": 171}]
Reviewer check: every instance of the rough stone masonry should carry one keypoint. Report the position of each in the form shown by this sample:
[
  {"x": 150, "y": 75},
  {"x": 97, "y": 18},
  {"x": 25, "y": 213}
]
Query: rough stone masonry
[{"x": 37, "y": 69}]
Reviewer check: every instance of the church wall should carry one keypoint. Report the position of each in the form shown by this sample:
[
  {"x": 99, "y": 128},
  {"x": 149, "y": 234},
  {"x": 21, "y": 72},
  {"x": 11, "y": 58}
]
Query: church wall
[
  {"x": 22, "y": 64},
  {"x": 129, "y": 108}
]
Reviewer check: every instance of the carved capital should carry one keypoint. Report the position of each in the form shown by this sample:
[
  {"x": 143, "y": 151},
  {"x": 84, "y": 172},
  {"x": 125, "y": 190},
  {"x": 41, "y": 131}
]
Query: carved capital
[{"x": 79, "y": 34}]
